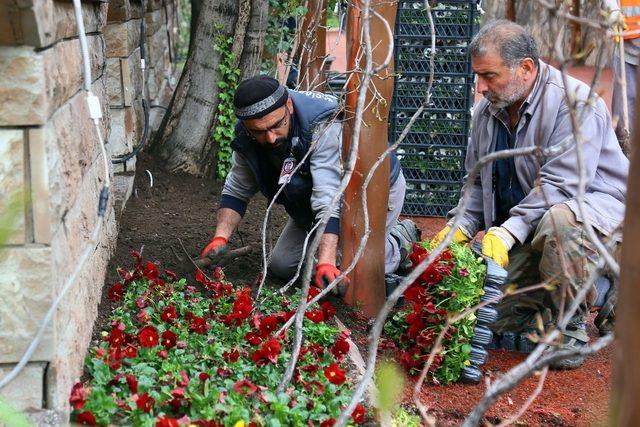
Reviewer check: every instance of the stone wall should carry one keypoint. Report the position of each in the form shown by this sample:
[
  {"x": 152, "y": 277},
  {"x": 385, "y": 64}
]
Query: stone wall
[{"x": 50, "y": 156}]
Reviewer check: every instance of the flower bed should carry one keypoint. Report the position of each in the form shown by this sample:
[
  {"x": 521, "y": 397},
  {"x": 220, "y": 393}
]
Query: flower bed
[
  {"x": 176, "y": 356},
  {"x": 451, "y": 284}
]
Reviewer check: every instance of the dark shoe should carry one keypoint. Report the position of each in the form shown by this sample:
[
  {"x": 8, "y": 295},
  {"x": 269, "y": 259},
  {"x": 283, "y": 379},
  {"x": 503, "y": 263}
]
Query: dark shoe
[
  {"x": 405, "y": 232},
  {"x": 572, "y": 339},
  {"x": 391, "y": 282}
]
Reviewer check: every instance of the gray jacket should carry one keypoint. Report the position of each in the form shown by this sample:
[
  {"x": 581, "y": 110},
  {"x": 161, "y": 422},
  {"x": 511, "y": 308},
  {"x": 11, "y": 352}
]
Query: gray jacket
[{"x": 545, "y": 121}]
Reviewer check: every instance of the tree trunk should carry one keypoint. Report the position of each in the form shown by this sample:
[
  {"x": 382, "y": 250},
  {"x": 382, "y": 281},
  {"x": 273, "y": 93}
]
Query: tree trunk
[
  {"x": 254, "y": 39},
  {"x": 313, "y": 48},
  {"x": 184, "y": 141}
]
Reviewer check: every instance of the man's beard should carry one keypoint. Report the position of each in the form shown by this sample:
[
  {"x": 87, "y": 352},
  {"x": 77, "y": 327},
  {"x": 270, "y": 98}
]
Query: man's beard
[{"x": 514, "y": 92}]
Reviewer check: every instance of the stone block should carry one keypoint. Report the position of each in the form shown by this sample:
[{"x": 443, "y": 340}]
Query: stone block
[
  {"x": 12, "y": 185},
  {"x": 122, "y": 38},
  {"x": 127, "y": 89},
  {"x": 121, "y": 139},
  {"x": 114, "y": 82},
  {"x": 25, "y": 392},
  {"x": 154, "y": 20},
  {"x": 122, "y": 189},
  {"x": 39, "y": 185},
  {"x": 124, "y": 10},
  {"x": 26, "y": 289},
  {"x": 72, "y": 147},
  {"x": 135, "y": 73},
  {"x": 154, "y": 5},
  {"x": 22, "y": 87},
  {"x": 156, "y": 45},
  {"x": 35, "y": 84},
  {"x": 40, "y": 23}
]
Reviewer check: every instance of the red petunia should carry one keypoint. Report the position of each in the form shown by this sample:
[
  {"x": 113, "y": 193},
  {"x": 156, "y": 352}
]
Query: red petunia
[
  {"x": 169, "y": 314},
  {"x": 166, "y": 422},
  {"x": 116, "y": 292},
  {"x": 116, "y": 338},
  {"x": 340, "y": 348},
  {"x": 171, "y": 275},
  {"x": 203, "y": 376},
  {"x": 313, "y": 292},
  {"x": 334, "y": 374},
  {"x": 316, "y": 316},
  {"x": 145, "y": 402},
  {"x": 328, "y": 423},
  {"x": 198, "y": 325},
  {"x": 268, "y": 352},
  {"x": 268, "y": 325},
  {"x": 245, "y": 387},
  {"x": 150, "y": 271},
  {"x": 242, "y": 306},
  {"x": 253, "y": 338},
  {"x": 132, "y": 382},
  {"x": 231, "y": 356},
  {"x": 169, "y": 339},
  {"x": 358, "y": 414},
  {"x": 328, "y": 310},
  {"x": 78, "y": 396},
  {"x": 148, "y": 336},
  {"x": 86, "y": 418}
]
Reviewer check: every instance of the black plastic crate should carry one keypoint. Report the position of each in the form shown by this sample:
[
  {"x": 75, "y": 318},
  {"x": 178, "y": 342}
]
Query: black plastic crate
[{"x": 432, "y": 153}]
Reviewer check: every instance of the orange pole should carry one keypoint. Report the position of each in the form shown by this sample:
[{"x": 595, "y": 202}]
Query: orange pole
[{"x": 367, "y": 290}]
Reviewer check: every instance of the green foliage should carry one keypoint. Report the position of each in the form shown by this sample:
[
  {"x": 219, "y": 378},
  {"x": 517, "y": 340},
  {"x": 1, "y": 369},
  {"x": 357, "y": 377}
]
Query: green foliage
[
  {"x": 279, "y": 38},
  {"x": 223, "y": 131},
  {"x": 402, "y": 418},
  {"x": 452, "y": 284}
]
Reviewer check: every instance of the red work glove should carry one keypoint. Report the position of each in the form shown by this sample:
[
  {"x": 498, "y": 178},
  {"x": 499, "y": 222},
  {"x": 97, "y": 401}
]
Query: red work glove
[
  {"x": 217, "y": 244},
  {"x": 326, "y": 273}
]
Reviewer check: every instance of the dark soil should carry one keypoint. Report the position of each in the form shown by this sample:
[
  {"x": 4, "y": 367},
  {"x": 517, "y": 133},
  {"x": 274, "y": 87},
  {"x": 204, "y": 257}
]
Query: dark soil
[{"x": 180, "y": 206}]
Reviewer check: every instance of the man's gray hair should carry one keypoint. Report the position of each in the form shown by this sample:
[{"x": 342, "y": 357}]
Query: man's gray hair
[{"x": 513, "y": 42}]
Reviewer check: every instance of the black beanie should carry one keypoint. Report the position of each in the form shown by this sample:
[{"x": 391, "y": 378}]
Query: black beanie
[{"x": 258, "y": 96}]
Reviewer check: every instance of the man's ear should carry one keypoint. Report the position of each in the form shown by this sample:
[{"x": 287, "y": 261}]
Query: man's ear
[
  {"x": 528, "y": 67},
  {"x": 290, "y": 104}
]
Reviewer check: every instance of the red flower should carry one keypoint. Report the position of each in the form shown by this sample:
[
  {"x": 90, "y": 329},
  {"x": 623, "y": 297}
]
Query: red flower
[
  {"x": 313, "y": 292},
  {"x": 268, "y": 325},
  {"x": 203, "y": 376},
  {"x": 245, "y": 387},
  {"x": 268, "y": 352},
  {"x": 132, "y": 382},
  {"x": 231, "y": 356},
  {"x": 358, "y": 414},
  {"x": 169, "y": 339},
  {"x": 311, "y": 369},
  {"x": 431, "y": 275},
  {"x": 145, "y": 402},
  {"x": 150, "y": 271},
  {"x": 328, "y": 310},
  {"x": 116, "y": 338},
  {"x": 86, "y": 418},
  {"x": 253, "y": 338},
  {"x": 328, "y": 423},
  {"x": 116, "y": 292},
  {"x": 148, "y": 336},
  {"x": 166, "y": 422},
  {"x": 224, "y": 372},
  {"x": 463, "y": 272},
  {"x": 198, "y": 325},
  {"x": 340, "y": 348},
  {"x": 130, "y": 351},
  {"x": 316, "y": 316},
  {"x": 169, "y": 314},
  {"x": 334, "y": 374},
  {"x": 78, "y": 396},
  {"x": 242, "y": 306}
]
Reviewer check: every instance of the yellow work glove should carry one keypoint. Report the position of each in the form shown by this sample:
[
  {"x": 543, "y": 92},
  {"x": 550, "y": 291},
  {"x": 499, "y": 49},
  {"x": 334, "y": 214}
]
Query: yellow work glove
[
  {"x": 458, "y": 237},
  {"x": 496, "y": 244},
  {"x": 619, "y": 29}
]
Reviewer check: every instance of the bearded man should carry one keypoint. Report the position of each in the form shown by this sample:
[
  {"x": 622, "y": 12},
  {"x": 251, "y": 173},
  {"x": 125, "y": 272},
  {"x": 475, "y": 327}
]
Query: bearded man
[{"x": 527, "y": 204}]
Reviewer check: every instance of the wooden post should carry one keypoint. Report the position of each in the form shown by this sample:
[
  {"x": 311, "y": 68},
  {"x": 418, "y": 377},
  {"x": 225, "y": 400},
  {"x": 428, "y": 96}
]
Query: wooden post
[
  {"x": 510, "y": 10},
  {"x": 576, "y": 30},
  {"x": 367, "y": 290},
  {"x": 313, "y": 47},
  {"x": 624, "y": 408}
]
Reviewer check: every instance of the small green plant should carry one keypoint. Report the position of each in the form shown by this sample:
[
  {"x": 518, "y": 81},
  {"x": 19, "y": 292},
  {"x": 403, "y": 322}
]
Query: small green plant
[{"x": 223, "y": 131}]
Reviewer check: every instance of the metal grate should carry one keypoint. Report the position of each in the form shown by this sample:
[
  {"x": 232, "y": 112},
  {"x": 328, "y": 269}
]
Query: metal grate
[{"x": 432, "y": 154}]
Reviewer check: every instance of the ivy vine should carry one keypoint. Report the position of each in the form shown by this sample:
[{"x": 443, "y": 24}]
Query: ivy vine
[
  {"x": 223, "y": 131},
  {"x": 280, "y": 36}
]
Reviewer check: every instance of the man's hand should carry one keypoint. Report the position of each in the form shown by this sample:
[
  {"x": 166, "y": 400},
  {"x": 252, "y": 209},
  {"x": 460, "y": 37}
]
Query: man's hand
[
  {"x": 458, "y": 237},
  {"x": 326, "y": 273},
  {"x": 496, "y": 244},
  {"x": 217, "y": 246}
]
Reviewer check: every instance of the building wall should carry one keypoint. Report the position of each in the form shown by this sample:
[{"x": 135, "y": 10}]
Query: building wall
[{"x": 50, "y": 155}]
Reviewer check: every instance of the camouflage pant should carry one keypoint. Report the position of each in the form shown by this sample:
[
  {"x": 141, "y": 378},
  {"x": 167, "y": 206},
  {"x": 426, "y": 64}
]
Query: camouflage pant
[{"x": 558, "y": 240}]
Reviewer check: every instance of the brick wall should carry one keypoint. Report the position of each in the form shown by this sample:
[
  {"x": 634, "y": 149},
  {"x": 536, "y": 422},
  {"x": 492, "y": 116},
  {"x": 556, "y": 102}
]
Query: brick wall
[{"x": 50, "y": 153}]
